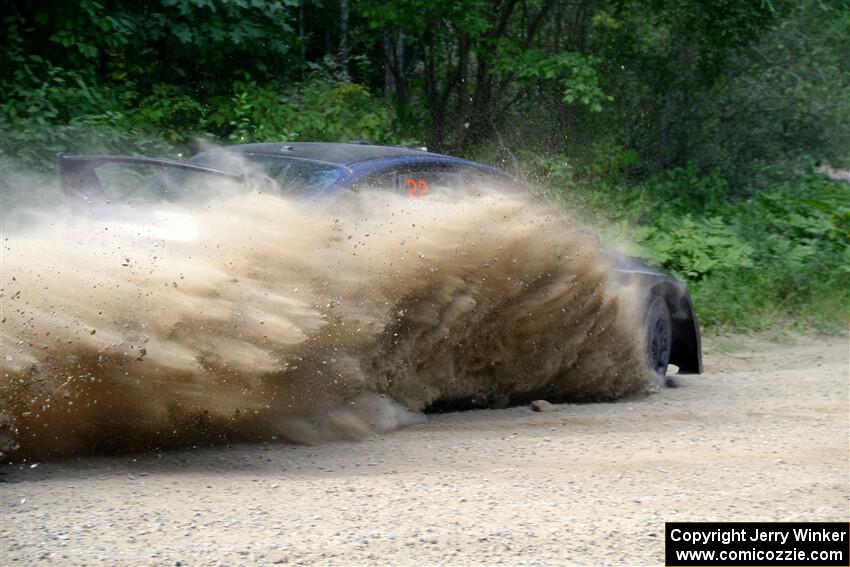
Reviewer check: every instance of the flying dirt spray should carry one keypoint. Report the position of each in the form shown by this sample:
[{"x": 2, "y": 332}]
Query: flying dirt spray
[{"x": 257, "y": 315}]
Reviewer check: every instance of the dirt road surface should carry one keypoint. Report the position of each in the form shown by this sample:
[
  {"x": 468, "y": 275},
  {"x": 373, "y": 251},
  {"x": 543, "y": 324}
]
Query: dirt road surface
[{"x": 763, "y": 435}]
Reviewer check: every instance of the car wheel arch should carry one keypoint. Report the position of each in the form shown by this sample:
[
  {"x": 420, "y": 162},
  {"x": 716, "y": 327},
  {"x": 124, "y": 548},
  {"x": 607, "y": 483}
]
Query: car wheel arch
[{"x": 686, "y": 351}]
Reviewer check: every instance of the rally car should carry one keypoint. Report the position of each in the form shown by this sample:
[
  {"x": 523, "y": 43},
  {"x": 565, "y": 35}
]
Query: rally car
[{"x": 321, "y": 170}]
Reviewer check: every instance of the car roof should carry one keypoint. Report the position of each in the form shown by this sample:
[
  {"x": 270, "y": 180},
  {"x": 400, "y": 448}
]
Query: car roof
[{"x": 344, "y": 154}]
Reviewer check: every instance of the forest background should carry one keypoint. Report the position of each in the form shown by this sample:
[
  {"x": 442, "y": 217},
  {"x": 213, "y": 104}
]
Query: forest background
[{"x": 706, "y": 133}]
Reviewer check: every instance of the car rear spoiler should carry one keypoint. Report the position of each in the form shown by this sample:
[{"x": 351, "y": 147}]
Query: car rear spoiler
[{"x": 78, "y": 178}]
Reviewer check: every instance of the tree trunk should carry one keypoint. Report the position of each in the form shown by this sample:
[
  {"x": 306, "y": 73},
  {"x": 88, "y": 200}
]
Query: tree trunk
[
  {"x": 344, "y": 9},
  {"x": 302, "y": 42},
  {"x": 395, "y": 79},
  {"x": 481, "y": 119}
]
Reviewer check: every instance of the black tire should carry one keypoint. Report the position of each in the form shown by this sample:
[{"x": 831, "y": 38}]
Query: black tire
[{"x": 659, "y": 339}]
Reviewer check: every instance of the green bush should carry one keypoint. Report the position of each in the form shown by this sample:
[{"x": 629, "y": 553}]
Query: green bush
[
  {"x": 65, "y": 114},
  {"x": 320, "y": 109},
  {"x": 780, "y": 256},
  {"x": 695, "y": 249},
  {"x": 783, "y": 254}
]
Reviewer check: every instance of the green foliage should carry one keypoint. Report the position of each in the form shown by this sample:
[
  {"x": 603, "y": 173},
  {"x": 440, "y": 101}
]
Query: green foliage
[
  {"x": 783, "y": 253},
  {"x": 694, "y": 126},
  {"x": 168, "y": 119},
  {"x": 168, "y": 112},
  {"x": 695, "y": 249},
  {"x": 61, "y": 112},
  {"x": 780, "y": 256},
  {"x": 575, "y": 74},
  {"x": 786, "y": 102},
  {"x": 172, "y": 41},
  {"x": 317, "y": 110}
]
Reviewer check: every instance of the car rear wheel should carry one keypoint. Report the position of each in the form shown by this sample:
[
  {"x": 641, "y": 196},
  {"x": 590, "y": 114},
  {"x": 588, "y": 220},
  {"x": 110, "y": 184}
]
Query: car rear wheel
[{"x": 659, "y": 339}]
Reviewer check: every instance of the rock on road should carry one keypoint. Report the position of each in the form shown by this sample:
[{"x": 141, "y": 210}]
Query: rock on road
[{"x": 763, "y": 435}]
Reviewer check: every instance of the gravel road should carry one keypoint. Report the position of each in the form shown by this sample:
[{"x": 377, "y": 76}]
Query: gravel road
[{"x": 763, "y": 435}]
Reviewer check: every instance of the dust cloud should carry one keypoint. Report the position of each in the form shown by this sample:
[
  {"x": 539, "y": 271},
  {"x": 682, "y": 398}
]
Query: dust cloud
[{"x": 258, "y": 316}]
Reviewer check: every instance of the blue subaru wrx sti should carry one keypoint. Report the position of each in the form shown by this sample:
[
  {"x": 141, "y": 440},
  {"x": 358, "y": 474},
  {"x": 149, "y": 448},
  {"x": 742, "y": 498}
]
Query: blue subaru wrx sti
[{"x": 319, "y": 170}]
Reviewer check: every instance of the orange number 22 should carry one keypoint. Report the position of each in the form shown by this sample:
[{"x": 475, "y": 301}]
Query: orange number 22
[{"x": 418, "y": 187}]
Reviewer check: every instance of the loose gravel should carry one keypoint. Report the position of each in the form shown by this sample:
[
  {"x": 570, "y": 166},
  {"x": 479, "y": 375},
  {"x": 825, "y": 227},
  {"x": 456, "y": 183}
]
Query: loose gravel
[{"x": 763, "y": 435}]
